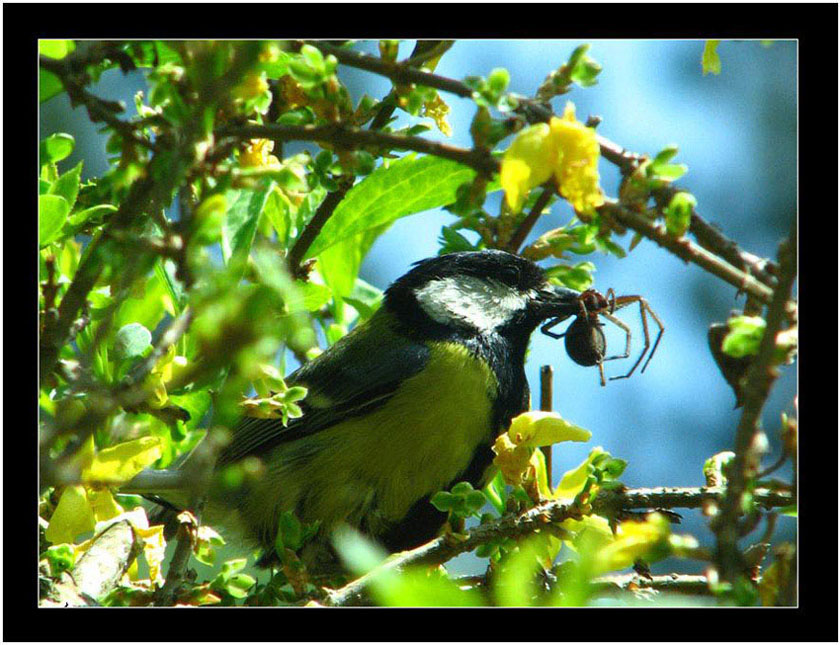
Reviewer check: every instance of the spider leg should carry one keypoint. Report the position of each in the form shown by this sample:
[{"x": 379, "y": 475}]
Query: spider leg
[
  {"x": 646, "y": 307},
  {"x": 550, "y": 325},
  {"x": 618, "y": 323},
  {"x": 623, "y": 301},
  {"x": 601, "y": 372}
]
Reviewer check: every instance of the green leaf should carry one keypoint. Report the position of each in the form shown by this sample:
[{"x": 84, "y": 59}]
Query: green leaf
[
  {"x": 312, "y": 296},
  {"x": 365, "y": 298},
  {"x": 131, "y": 340},
  {"x": 665, "y": 155},
  {"x": 578, "y": 277},
  {"x": 584, "y": 70},
  {"x": 238, "y": 585},
  {"x": 514, "y": 582},
  {"x": 710, "y": 59},
  {"x": 289, "y": 532},
  {"x": 498, "y": 80},
  {"x": 197, "y": 403},
  {"x": 49, "y": 85},
  {"x": 67, "y": 185},
  {"x": 339, "y": 264},
  {"x": 407, "y": 186},
  {"x": 55, "y": 48},
  {"x": 147, "y": 309},
  {"x": 278, "y": 210},
  {"x": 420, "y": 587},
  {"x": 678, "y": 213},
  {"x": 744, "y": 337},
  {"x": 60, "y": 557},
  {"x": 52, "y": 213},
  {"x": 55, "y": 148},
  {"x": 240, "y": 227},
  {"x": 95, "y": 214},
  {"x": 173, "y": 287},
  {"x": 359, "y": 554}
]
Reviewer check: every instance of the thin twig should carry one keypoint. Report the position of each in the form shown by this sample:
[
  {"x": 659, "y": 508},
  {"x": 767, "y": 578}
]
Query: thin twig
[
  {"x": 426, "y": 50},
  {"x": 546, "y": 399},
  {"x": 313, "y": 228},
  {"x": 445, "y": 548},
  {"x": 172, "y": 335},
  {"x": 758, "y": 381},
  {"x": 177, "y": 568},
  {"x": 98, "y": 109},
  {"x": 397, "y": 72},
  {"x": 672, "y": 583},
  {"x": 350, "y": 138},
  {"x": 542, "y": 516},
  {"x": 683, "y": 248},
  {"x": 678, "y": 497},
  {"x": 548, "y": 191}
]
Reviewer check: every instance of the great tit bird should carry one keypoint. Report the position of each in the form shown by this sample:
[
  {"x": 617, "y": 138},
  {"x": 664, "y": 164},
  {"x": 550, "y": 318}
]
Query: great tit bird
[{"x": 407, "y": 404}]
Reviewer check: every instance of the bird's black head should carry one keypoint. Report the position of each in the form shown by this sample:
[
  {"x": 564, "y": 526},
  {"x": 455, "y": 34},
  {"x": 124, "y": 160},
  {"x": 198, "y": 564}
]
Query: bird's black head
[{"x": 479, "y": 292}]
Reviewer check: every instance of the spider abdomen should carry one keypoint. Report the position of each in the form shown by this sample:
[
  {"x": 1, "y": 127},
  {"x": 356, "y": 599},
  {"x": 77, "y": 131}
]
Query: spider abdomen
[{"x": 585, "y": 342}]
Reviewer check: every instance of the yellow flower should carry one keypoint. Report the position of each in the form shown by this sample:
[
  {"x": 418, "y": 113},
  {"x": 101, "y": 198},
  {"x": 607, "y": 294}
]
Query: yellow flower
[
  {"x": 515, "y": 451},
  {"x": 528, "y": 162},
  {"x": 256, "y": 154},
  {"x": 577, "y": 169},
  {"x": 564, "y": 148},
  {"x": 538, "y": 428},
  {"x": 81, "y": 506},
  {"x": 437, "y": 110},
  {"x": 251, "y": 87},
  {"x": 634, "y": 540}
]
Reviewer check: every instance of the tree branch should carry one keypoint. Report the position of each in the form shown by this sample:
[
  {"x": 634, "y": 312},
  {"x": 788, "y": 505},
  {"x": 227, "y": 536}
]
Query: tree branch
[
  {"x": 692, "y": 585},
  {"x": 398, "y": 72},
  {"x": 684, "y": 249},
  {"x": 759, "y": 378},
  {"x": 678, "y": 497},
  {"x": 445, "y": 548},
  {"x": 313, "y": 228},
  {"x": 542, "y": 516},
  {"x": 350, "y": 138},
  {"x": 98, "y": 109},
  {"x": 548, "y": 191}
]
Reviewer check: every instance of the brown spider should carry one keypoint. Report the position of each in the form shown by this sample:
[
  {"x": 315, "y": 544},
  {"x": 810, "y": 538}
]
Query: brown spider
[{"x": 585, "y": 341}]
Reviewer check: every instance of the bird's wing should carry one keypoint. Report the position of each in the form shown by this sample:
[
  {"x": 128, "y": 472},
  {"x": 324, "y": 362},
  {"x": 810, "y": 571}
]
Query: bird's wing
[{"x": 361, "y": 372}]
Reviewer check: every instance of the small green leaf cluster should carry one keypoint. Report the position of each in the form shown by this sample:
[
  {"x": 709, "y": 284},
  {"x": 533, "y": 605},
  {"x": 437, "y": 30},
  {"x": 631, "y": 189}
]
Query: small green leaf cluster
[
  {"x": 580, "y": 69},
  {"x": 461, "y": 501}
]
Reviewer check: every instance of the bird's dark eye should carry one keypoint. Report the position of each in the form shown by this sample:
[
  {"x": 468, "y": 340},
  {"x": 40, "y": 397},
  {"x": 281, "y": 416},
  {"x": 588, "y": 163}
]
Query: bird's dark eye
[{"x": 510, "y": 275}]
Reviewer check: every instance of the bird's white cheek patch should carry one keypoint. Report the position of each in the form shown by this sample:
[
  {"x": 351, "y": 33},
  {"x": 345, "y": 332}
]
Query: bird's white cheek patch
[{"x": 470, "y": 301}]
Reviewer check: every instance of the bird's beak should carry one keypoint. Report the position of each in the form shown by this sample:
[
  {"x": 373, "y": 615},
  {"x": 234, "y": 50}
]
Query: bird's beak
[{"x": 556, "y": 302}]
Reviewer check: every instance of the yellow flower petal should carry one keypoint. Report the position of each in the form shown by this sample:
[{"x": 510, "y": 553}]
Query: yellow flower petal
[
  {"x": 512, "y": 460},
  {"x": 538, "y": 428},
  {"x": 257, "y": 154},
  {"x": 103, "y": 504},
  {"x": 576, "y": 171},
  {"x": 573, "y": 480},
  {"x": 633, "y": 541},
  {"x": 154, "y": 548},
  {"x": 73, "y": 516},
  {"x": 528, "y": 162},
  {"x": 252, "y": 86},
  {"x": 118, "y": 464}
]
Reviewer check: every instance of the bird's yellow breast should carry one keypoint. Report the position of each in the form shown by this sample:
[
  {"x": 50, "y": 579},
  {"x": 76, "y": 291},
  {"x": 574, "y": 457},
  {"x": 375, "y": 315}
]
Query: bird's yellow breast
[{"x": 369, "y": 470}]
